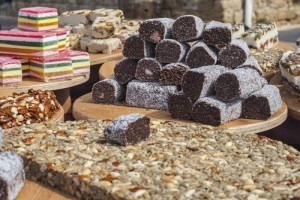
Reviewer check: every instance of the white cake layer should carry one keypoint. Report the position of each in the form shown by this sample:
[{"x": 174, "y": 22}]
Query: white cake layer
[
  {"x": 38, "y": 15},
  {"x": 286, "y": 74},
  {"x": 10, "y": 80},
  {"x": 10, "y": 66},
  {"x": 293, "y": 79},
  {"x": 28, "y": 39},
  {"x": 238, "y": 34},
  {"x": 252, "y": 41},
  {"x": 46, "y": 28}
]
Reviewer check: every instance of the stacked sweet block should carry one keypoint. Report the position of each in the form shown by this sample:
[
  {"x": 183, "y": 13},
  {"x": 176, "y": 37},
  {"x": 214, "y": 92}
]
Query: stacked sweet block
[
  {"x": 98, "y": 31},
  {"x": 290, "y": 70},
  {"x": 212, "y": 81},
  {"x": 41, "y": 47}
]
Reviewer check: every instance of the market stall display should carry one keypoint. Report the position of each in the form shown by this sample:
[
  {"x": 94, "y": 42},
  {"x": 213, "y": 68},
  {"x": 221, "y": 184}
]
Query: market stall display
[{"x": 94, "y": 168}]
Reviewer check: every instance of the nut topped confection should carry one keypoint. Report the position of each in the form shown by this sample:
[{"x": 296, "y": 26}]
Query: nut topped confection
[
  {"x": 290, "y": 69},
  {"x": 27, "y": 108},
  {"x": 261, "y": 35},
  {"x": 177, "y": 161},
  {"x": 268, "y": 59}
]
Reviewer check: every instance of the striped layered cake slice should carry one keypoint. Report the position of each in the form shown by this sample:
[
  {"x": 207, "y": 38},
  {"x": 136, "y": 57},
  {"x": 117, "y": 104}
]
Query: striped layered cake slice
[
  {"x": 261, "y": 36},
  {"x": 38, "y": 19},
  {"x": 62, "y": 37},
  {"x": 25, "y": 67},
  {"x": 10, "y": 71},
  {"x": 28, "y": 44},
  {"x": 59, "y": 67},
  {"x": 80, "y": 61}
]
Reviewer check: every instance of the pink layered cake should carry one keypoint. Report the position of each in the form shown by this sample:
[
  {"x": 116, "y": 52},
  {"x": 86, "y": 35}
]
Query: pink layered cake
[
  {"x": 28, "y": 44},
  {"x": 38, "y": 19},
  {"x": 62, "y": 37},
  {"x": 52, "y": 68},
  {"x": 80, "y": 61},
  {"x": 10, "y": 71}
]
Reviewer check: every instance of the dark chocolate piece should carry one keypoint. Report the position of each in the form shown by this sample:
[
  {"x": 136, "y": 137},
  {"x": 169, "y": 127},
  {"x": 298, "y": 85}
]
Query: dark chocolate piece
[
  {"x": 238, "y": 84},
  {"x": 180, "y": 106},
  {"x": 172, "y": 74},
  {"x": 253, "y": 64},
  {"x": 108, "y": 91},
  {"x": 217, "y": 34},
  {"x": 148, "y": 69},
  {"x": 199, "y": 82},
  {"x": 12, "y": 175},
  {"x": 262, "y": 104},
  {"x": 234, "y": 54},
  {"x": 148, "y": 94},
  {"x": 128, "y": 129},
  {"x": 155, "y": 30},
  {"x": 201, "y": 55},
  {"x": 125, "y": 70},
  {"x": 211, "y": 111},
  {"x": 187, "y": 28},
  {"x": 136, "y": 48},
  {"x": 171, "y": 51}
]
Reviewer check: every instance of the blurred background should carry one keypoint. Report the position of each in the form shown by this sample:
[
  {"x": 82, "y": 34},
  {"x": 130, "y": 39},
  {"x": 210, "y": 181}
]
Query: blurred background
[{"x": 284, "y": 12}]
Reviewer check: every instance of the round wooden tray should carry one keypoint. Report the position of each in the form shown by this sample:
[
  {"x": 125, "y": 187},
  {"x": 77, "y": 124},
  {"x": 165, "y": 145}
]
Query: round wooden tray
[
  {"x": 97, "y": 58},
  {"x": 85, "y": 109},
  {"x": 33, "y": 83},
  {"x": 292, "y": 102}
]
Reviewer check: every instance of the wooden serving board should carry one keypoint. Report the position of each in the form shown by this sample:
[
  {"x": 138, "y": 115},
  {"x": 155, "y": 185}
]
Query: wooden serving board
[
  {"x": 33, "y": 83},
  {"x": 85, "y": 109},
  {"x": 292, "y": 102},
  {"x": 97, "y": 58}
]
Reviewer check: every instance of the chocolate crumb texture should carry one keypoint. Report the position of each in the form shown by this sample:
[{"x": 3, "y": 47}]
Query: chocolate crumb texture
[
  {"x": 12, "y": 175},
  {"x": 125, "y": 70},
  {"x": 156, "y": 30},
  {"x": 128, "y": 129},
  {"x": 187, "y": 28},
  {"x": 108, "y": 91},
  {"x": 262, "y": 104},
  {"x": 238, "y": 84},
  {"x": 171, "y": 51}
]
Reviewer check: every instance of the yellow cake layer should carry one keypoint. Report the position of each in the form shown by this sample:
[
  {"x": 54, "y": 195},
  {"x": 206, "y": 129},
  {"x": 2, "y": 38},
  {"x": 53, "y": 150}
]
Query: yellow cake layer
[
  {"x": 79, "y": 64},
  {"x": 11, "y": 73},
  {"x": 25, "y": 67},
  {"x": 49, "y": 70},
  {"x": 52, "y": 73},
  {"x": 45, "y": 21}
]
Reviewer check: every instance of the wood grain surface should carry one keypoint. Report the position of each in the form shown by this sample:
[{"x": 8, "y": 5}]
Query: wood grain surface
[
  {"x": 292, "y": 101},
  {"x": 85, "y": 109},
  {"x": 33, "y": 83},
  {"x": 97, "y": 58}
]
